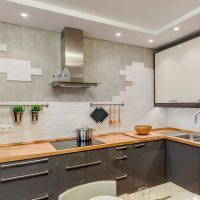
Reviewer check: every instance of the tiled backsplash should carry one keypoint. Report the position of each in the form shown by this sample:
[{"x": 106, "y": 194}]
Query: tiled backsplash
[{"x": 61, "y": 118}]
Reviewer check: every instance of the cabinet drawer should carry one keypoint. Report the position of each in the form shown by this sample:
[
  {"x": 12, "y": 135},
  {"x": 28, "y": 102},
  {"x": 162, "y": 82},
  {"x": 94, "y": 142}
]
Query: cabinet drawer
[
  {"x": 78, "y": 168},
  {"x": 45, "y": 187},
  {"x": 23, "y": 167},
  {"x": 120, "y": 164},
  {"x": 71, "y": 171},
  {"x": 28, "y": 179},
  {"x": 98, "y": 171}
]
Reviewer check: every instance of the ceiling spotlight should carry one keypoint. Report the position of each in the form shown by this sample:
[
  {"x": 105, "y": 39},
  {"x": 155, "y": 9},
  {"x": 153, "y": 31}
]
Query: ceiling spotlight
[
  {"x": 150, "y": 41},
  {"x": 24, "y": 15},
  {"x": 176, "y": 28},
  {"x": 118, "y": 34},
  {"x": 180, "y": 46}
]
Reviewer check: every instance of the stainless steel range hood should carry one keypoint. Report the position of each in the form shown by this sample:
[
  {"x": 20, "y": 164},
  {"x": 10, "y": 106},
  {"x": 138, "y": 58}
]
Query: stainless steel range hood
[
  {"x": 71, "y": 48},
  {"x": 72, "y": 58}
]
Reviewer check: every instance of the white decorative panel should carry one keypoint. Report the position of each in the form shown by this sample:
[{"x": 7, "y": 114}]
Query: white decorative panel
[
  {"x": 3, "y": 47},
  {"x": 18, "y": 70},
  {"x": 36, "y": 71},
  {"x": 18, "y": 77}
]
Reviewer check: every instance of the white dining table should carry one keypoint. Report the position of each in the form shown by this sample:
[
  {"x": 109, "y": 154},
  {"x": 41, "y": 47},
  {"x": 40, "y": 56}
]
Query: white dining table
[{"x": 105, "y": 198}]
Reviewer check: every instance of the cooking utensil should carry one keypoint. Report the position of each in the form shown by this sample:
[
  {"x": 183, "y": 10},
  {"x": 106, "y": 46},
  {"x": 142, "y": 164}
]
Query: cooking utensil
[
  {"x": 84, "y": 133},
  {"x": 119, "y": 119},
  {"x": 114, "y": 120},
  {"x": 99, "y": 114},
  {"x": 110, "y": 120},
  {"x": 143, "y": 129}
]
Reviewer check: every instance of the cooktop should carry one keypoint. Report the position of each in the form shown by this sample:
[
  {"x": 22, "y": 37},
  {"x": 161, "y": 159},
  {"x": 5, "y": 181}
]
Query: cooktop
[{"x": 67, "y": 144}]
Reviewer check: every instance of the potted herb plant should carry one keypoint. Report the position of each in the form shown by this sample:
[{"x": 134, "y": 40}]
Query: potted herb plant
[
  {"x": 17, "y": 113},
  {"x": 35, "y": 109}
]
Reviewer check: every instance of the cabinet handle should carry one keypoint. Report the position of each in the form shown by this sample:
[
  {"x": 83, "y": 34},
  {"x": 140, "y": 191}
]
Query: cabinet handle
[
  {"x": 118, "y": 178},
  {"x": 121, "y": 157},
  {"x": 84, "y": 165},
  {"x": 42, "y": 197},
  {"x": 16, "y": 178},
  {"x": 121, "y": 148},
  {"x": 94, "y": 163},
  {"x": 19, "y": 164},
  {"x": 139, "y": 145},
  {"x": 76, "y": 166}
]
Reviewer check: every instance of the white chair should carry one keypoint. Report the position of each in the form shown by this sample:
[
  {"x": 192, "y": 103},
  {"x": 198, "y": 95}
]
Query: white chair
[{"x": 89, "y": 190}]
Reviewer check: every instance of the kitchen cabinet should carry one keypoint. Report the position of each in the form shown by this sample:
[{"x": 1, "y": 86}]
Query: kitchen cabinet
[
  {"x": 120, "y": 168},
  {"x": 183, "y": 165},
  {"x": 177, "y": 73},
  {"x": 78, "y": 168},
  {"x": 149, "y": 164},
  {"x": 29, "y": 179}
]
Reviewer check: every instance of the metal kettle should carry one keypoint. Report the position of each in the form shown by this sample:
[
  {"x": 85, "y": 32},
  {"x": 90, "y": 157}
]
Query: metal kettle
[{"x": 84, "y": 133}]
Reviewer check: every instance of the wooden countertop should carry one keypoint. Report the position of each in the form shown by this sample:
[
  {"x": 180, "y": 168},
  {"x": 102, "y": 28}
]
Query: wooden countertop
[{"x": 38, "y": 149}]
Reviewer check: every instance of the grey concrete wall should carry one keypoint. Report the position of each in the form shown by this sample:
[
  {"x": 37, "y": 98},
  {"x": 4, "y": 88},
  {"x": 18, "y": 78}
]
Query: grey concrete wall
[{"x": 103, "y": 61}]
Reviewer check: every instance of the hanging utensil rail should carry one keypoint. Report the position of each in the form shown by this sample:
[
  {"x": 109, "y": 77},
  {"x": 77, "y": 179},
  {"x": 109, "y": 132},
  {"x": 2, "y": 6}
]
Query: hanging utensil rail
[
  {"x": 106, "y": 104},
  {"x": 43, "y": 104}
]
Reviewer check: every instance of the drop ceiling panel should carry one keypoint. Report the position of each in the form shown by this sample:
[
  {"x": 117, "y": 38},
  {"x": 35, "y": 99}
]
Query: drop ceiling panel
[
  {"x": 151, "y": 14},
  {"x": 146, "y": 13}
]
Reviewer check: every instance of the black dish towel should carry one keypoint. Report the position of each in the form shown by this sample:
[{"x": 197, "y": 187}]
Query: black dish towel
[{"x": 99, "y": 114}]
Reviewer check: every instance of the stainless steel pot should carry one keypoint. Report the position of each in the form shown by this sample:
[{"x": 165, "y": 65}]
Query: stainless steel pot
[{"x": 84, "y": 133}]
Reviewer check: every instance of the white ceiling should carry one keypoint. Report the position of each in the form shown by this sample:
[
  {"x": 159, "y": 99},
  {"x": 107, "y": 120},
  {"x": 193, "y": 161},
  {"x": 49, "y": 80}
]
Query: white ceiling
[{"x": 137, "y": 20}]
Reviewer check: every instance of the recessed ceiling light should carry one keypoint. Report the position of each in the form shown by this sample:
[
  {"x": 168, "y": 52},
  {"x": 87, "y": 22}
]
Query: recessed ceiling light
[
  {"x": 176, "y": 28},
  {"x": 150, "y": 41},
  {"x": 180, "y": 46},
  {"x": 118, "y": 34},
  {"x": 24, "y": 15}
]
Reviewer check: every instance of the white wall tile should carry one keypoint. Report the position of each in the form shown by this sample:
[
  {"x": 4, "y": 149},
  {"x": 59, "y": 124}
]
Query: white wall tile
[
  {"x": 18, "y": 77},
  {"x": 3, "y": 47},
  {"x": 36, "y": 71}
]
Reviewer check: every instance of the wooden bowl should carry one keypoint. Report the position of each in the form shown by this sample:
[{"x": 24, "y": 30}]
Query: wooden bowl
[{"x": 143, "y": 129}]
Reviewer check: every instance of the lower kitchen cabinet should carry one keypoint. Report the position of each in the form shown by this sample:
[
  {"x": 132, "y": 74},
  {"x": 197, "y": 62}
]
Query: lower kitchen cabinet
[
  {"x": 120, "y": 165},
  {"x": 78, "y": 168},
  {"x": 149, "y": 164},
  {"x": 183, "y": 165},
  {"x": 29, "y": 179}
]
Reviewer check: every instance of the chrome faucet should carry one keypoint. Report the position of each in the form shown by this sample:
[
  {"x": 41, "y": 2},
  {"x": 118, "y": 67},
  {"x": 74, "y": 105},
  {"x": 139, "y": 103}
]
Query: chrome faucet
[{"x": 196, "y": 117}]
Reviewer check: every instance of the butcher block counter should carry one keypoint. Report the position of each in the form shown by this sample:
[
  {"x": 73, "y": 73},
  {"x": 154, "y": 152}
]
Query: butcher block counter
[{"x": 36, "y": 149}]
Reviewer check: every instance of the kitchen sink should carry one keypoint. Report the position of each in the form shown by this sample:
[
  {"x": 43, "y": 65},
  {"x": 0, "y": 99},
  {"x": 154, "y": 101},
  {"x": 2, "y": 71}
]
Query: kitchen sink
[
  {"x": 183, "y": 135},
  {"x": 190, "y": 136}
]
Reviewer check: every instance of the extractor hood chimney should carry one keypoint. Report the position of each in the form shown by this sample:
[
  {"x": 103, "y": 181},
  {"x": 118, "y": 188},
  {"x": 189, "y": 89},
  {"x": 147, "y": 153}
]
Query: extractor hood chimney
[{"x": 71, "y": 48}]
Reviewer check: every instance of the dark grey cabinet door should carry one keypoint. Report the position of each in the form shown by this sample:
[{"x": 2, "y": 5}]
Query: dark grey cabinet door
[
  {"x": 97, "y": 168},
  {"x": 45, "y": 186},
  {"x": 149, "y": 164},
  {"x": 183, "y": 165},
  {"x": 78, "y": 168},
  {"x": 71, "y": 170},
  {"x": 120, "y": 165}
]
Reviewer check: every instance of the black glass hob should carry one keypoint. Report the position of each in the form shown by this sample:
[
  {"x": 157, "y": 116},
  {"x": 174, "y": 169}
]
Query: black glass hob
[{"x": 68, "y": 144}]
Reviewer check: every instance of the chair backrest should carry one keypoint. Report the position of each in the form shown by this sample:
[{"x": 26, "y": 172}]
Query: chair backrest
[{"x": 89, "y": 190}]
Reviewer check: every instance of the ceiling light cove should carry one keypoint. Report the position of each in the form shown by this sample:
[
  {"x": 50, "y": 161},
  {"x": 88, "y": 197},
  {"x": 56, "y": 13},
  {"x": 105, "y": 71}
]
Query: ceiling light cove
[
  {"x": 118, "y": 34},
  {"x": 25, "y": 15},
  {"x": 176, "y": 28}
]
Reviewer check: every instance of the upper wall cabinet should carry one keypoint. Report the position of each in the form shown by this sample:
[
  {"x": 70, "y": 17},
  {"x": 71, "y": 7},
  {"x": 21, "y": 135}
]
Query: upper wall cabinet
[{"x": 177, "y": 75}]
